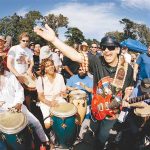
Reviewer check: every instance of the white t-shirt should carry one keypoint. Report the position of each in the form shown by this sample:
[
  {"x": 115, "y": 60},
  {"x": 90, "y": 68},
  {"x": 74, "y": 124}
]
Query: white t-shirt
[
  {"x": 127, "y": 58},
  {"x": 22, "y": 57},
  {"x": 11, "y": 91},
  {"x": 51, "y": 89}
]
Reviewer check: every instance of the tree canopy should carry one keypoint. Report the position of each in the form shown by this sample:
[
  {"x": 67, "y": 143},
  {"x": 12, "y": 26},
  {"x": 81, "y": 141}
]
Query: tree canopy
[
  {"x": 132, "y": 30},
  {"x": 14, "y": 25}
]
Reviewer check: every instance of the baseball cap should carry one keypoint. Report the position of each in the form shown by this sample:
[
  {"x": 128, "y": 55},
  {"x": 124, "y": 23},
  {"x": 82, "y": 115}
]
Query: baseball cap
[
  {"x": 145, "y": 85},
  {"x": 109, "y": 41}
]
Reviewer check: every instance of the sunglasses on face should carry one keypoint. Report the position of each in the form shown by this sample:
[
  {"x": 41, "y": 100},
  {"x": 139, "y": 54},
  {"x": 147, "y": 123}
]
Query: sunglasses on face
[
  {"x": 110, "y": 48},
  {"x": 25, "y": 41}
]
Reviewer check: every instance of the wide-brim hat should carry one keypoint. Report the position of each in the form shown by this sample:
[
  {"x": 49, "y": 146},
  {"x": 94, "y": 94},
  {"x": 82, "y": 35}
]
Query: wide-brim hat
[
  {"x": 145, "y": 85},
  {"x": 109, "y": 41},
  {"x": 84, "y": 44},
  {"x": 2, "y": 38}
]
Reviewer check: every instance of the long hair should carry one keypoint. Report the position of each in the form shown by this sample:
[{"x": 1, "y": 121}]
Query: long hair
[{"x": 43, "y": 65}]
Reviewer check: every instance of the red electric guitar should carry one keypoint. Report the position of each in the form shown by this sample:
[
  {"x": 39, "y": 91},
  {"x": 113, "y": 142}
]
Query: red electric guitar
[{"x": 101, "y": 106}]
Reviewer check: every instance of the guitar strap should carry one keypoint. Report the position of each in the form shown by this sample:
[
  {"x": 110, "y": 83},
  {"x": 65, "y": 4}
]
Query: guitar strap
[{"x": 120, "y": 74}]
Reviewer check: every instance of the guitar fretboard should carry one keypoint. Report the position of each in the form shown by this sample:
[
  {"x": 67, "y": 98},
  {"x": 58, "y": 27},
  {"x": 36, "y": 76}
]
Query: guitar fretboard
[{"x": 139, "y": 98}]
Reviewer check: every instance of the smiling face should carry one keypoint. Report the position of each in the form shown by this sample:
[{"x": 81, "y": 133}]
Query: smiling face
[
  {"x": 111, "y": 56},
  {"x": 49, "y": 68}
]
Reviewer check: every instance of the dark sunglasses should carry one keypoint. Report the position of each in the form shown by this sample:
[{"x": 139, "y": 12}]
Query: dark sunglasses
[
  {"x": 111, "y": 48},
  {"x": 25, "y": 41},
  {"x": 94, "y": 47}
]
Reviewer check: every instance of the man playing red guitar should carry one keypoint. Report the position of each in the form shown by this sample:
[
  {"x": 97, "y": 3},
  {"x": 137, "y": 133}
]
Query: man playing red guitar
[{"x": 109, "y": 65}]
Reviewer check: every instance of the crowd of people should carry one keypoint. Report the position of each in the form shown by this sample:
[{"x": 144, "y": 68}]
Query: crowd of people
[{"x": 108, "y": 84}]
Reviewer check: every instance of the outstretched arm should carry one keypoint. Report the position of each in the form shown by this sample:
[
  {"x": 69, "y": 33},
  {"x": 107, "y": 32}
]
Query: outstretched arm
[{"x": 48, "y": 34}]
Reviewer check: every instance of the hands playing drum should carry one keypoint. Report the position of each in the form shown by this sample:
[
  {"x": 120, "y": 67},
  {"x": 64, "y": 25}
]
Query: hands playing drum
[{"x": 56, "y": 99}]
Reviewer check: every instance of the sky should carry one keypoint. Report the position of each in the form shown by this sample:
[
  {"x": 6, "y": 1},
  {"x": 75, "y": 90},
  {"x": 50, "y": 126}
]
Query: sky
[{"x": 93, "y": 17}]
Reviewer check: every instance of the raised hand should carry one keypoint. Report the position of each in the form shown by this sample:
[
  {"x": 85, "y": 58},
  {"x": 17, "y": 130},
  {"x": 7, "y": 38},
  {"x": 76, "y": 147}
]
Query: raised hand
[{"x": 47, "y": 33}]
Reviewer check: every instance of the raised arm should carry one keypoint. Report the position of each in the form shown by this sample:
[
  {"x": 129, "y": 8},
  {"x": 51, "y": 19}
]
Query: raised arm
[{"x": 48, "y": 34}]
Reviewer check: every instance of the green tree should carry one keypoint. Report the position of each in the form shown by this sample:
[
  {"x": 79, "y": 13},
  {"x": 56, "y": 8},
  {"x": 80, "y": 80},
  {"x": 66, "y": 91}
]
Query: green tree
[
  {"x": 143, "y": 33},
  {"x": 118, "y": 35},
  {"x": 90, "y": 41},
  {"x": 27, "y": 24},
  {"x": 129, "y": 28},
  {"x": 11, "y": 26},
  {"x": 56, "y": 21},
  {"x": 14, "y": 25},
  {"x": 74, "y": 35}
]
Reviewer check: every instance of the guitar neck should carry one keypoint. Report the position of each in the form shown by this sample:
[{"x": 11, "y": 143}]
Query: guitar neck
[{"x": 139, "y": 98}]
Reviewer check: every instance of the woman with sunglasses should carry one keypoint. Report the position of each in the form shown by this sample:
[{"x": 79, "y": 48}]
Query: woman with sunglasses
[
  {"x": 103, "y": 67},
  {"x": 50, "y": 87}
]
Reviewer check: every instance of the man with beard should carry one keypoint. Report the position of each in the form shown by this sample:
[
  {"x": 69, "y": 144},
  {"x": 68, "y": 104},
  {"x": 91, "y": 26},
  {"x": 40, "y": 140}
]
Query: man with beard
[
  {"x": 104, "y": 68},
  {"x": 82, "y": 82}
]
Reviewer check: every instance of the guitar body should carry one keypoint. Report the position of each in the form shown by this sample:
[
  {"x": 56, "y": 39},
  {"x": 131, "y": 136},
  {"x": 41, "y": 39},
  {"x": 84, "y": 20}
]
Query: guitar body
[{"x": 100, "y": 106}]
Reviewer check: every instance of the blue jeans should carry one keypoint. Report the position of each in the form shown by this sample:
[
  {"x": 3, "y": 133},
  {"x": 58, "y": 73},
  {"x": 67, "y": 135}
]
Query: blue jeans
[
  {"x": 104, "y": 128},
  {"x": 2, "y": 146}
]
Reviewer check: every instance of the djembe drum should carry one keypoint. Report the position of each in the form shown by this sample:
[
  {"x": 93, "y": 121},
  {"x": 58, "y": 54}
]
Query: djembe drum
[
  {"x": 14, "y": 131},
  {"x": 64, "y": 124},
  {"x": 79, "y": 99}
]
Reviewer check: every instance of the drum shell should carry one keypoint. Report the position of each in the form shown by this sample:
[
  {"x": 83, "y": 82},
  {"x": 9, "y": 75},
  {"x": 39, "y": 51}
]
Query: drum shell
[
  {"x": 79, "y": 99},
  {"x": 14, "y": 130},
  {"x": 29, "y": 83},
  {"x": 64, "y": 124},
  {"x": 142, "y": 112},
  {"x": 11, "y": 140},
  {"x": 65, "y": 135}
]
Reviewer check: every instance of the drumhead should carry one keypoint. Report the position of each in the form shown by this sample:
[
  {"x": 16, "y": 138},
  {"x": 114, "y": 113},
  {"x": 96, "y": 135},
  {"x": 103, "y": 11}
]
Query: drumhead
[
  {"x": 142, "y": 112},
  {"x": 77, "y": 94},
  {"x": 12, "y": 122},
  {"x": 64, "y": 110},
  {"x": 29, "y": 81}
]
